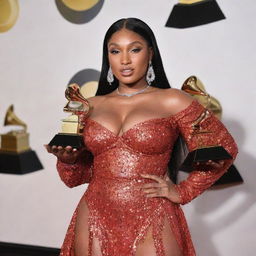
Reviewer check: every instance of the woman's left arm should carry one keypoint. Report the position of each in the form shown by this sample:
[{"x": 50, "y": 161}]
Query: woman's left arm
[{"x": 206, "y": 174}]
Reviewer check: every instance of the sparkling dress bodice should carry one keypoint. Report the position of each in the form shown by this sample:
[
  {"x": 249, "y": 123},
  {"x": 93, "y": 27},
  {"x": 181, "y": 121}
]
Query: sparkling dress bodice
[{"x": 120, "y": 214}]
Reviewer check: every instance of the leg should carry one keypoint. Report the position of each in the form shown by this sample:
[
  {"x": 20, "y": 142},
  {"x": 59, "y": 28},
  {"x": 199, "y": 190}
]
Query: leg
[
  {"x": 147, "y": 246},
  {"x": 81, "y": 243},
  {"x": 170, "y": 244}
]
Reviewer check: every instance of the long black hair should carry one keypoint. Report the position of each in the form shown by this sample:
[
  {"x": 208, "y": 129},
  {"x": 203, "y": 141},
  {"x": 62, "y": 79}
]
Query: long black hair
[
  {"x": 161, "y": 81},
  {"x": 141, "y": 28}
]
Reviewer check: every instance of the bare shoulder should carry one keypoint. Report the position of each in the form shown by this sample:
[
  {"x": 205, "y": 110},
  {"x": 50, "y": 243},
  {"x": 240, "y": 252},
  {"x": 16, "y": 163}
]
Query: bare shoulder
[
  {"x": 175, "y": 100},
  {"x": 96, "y": 100}
]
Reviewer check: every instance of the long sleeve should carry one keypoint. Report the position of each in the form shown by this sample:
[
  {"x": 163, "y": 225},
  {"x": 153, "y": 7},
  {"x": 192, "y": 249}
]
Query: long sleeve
[
  {"x": 200, "y": 179},
  {"x": 78, "y": 173}
]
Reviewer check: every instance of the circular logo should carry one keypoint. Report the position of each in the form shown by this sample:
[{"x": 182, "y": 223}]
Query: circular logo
[
  {"x": 87, "y": 79},
  {"x": 9, "y": 11},
  {"x": 79, "y": 11}
]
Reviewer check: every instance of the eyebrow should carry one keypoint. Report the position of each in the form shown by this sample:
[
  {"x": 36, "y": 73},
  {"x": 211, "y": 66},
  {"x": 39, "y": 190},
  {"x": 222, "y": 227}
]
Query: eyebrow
[{"x": 134, "y": 42}]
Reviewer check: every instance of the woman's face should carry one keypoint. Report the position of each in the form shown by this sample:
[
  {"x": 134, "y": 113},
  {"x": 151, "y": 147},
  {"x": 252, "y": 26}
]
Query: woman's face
[{"x": 129, "y": 56}]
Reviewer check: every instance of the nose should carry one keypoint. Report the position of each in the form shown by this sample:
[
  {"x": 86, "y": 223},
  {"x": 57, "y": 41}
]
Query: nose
[{"x": 125, "y": 59}]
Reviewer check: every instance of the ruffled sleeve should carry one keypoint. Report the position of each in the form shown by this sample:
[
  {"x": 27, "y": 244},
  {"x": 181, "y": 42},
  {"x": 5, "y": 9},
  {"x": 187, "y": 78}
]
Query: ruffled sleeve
[
  {"x": 78, "y": 173},
  {"x": 201, "y": 179}
]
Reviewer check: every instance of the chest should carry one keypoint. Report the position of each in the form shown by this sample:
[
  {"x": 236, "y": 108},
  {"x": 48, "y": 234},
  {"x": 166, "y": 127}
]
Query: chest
[{"x": 152, "y": 136}]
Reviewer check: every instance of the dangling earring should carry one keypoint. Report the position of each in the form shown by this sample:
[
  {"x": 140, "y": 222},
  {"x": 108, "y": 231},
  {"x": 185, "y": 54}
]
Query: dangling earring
[
  {"x": 110, "y": 77},
  {"x": 150, "y": 77}
]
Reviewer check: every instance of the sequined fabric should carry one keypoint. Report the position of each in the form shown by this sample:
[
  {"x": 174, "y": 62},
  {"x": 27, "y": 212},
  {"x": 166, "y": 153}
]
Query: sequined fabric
[{"x": 119, "y": 212}]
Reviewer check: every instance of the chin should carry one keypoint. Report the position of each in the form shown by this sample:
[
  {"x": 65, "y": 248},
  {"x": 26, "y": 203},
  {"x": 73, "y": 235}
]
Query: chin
[{"x": 129, "y": 80}]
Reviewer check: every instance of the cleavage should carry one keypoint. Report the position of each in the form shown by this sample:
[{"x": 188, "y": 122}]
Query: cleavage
[
  {"x": 118, "y": 132},
  {"x": 124, "y": 126}
]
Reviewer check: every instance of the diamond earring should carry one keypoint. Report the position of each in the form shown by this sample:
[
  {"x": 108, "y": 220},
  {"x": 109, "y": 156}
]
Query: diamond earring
[
  {"x": 150, "y": 77},
  {"x": 110, "y": 76}
]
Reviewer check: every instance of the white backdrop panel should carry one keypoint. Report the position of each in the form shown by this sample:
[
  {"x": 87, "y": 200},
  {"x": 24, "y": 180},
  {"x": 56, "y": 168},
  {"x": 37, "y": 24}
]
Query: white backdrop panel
[{"x": 43, "y": 51}]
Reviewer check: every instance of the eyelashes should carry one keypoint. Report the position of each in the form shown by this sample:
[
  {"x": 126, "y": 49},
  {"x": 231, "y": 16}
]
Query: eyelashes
[
  {"x": 133, "y": 50},
  {"x": 114, "y": 51},
  {"x": 136, "y": 50}
]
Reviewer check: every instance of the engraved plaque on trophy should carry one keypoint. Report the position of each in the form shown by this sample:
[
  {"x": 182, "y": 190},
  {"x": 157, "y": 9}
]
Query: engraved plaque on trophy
[
  {"x": 16, "y": 156},
  {"x": 72, "y": 126},
  {"x": 202, "y": 153}
]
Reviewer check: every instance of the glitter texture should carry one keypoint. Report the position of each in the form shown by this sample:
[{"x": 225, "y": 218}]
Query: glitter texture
[{"x": 119, "y": 213}]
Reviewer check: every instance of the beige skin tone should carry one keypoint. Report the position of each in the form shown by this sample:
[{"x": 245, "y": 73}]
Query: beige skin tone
[{"x": 129, "y": 56}]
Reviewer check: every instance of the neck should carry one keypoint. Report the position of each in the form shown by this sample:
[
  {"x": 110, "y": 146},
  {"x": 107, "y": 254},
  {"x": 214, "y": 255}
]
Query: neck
[
  {"x": 131, "y": 88},
  {"x": 129, "y": 94}
]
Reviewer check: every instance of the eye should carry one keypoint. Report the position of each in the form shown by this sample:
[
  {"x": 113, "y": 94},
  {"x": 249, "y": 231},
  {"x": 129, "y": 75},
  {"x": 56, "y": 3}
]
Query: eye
[
  {"x": 114, "y": 51},
  {"x": 136, "y": 50}
]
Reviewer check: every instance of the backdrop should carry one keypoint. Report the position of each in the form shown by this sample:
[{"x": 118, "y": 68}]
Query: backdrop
[{"x": 44, "y": 50}]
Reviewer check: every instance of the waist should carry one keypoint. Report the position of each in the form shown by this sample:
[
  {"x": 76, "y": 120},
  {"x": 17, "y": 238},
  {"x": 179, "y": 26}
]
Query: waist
[{"x": 128, "y": 167}]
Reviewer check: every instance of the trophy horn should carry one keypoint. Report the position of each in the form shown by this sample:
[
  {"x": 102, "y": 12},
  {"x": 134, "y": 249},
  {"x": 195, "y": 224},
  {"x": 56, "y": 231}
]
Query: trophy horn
[
  {"x": 195, "y": 88},
  {"x": 192, "y": 86},
  {"x": 12, "y": 119},
  {"x": 73, "y": 94}
]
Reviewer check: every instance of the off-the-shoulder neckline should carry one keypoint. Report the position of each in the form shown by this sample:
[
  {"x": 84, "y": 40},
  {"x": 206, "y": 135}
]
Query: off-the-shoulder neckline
[{"x": 156, "y": 119}]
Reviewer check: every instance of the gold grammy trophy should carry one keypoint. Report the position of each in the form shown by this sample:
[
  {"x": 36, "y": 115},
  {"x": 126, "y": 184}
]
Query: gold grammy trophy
[
  {"x": 16, "y": 156},
  {"x": 72, "y": 126},
  {"x": 202, "y": 153}
]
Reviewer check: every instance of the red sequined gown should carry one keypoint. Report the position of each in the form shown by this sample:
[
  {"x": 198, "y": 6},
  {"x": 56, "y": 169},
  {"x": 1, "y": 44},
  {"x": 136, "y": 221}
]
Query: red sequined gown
[{"x": 119, "y": 213}]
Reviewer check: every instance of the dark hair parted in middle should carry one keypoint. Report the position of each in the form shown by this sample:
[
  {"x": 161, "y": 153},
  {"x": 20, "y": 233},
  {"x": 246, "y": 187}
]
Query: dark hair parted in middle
[{"x": 142, "y": 29}]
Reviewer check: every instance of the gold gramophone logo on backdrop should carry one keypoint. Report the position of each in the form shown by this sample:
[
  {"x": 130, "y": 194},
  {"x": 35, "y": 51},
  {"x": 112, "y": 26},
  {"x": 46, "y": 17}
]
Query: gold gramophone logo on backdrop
[
  {"x": 16, "y": 156},
  {"x": 79, "y": 11},
  {"x": 191, "y": 13},
  {"x": 9, "y": 12}
]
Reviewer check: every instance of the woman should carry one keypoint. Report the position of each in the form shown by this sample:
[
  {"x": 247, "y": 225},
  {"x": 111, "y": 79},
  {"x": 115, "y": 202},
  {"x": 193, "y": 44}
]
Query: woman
[{"x": 131, "y": 207}]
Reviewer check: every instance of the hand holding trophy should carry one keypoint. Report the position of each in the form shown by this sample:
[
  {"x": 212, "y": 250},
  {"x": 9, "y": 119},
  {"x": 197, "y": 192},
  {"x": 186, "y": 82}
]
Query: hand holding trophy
[
  {"x": 68, "y": 144},
  {"x": 202, "y": 153}
]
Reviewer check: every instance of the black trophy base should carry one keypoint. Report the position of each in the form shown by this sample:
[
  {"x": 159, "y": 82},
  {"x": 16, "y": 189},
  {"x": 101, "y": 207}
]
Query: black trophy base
[
  {"x": 203, "y": 155},
  {"x": 19, "y": 163},
  {"x": 232, "y": 176},
  {"x": 67, "y": 139},
  {"x": 196, "y": 14}
]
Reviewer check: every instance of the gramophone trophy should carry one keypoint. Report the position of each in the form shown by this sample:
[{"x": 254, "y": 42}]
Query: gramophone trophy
[
  {"x": 202, "y": 153},
  {"x": 72, "y": 126},
  {"x": 16, "y": 157}
]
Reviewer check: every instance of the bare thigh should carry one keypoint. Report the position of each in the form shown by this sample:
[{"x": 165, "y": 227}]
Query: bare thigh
[
  {"x": 171, "y": 247},
  {"x": 81, "y": 243}
]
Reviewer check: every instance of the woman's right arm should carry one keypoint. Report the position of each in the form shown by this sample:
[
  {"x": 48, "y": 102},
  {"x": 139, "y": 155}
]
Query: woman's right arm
[{"x": 74, "y": 167}]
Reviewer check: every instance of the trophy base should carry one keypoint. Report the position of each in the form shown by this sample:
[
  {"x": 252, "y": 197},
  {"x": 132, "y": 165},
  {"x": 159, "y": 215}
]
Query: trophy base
[
  {"x": 196, "y": 14},
  {"x": 203, "y": 155},
  {"x": 19, "y": 163},
  {"x": 67, "y": 139},
  {"x": 232, "y": 176}
]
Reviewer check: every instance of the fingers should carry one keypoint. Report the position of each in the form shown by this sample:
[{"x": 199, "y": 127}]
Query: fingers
[
  {"x": 211, "y": 163},
  {"x": 48, "y": 148},
  {"x": 156, "y": 189},
  {"x": 152, "y": 185},
  {"x": 153, "y": 177},
  {"x": 63, "y": 152}
]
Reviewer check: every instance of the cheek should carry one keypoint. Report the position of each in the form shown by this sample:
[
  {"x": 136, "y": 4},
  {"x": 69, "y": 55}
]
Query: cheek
[
  {"x": 113, "y": 62},
  {"x": 142, "y": 63}
]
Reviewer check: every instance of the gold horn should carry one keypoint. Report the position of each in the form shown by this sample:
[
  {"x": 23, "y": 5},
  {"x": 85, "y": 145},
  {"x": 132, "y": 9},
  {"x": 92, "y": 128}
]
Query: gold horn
[
  {"x": 12, "y": 119},
  {"x": 195, "y": 88},
  {"x": 73, "y": 94}
]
